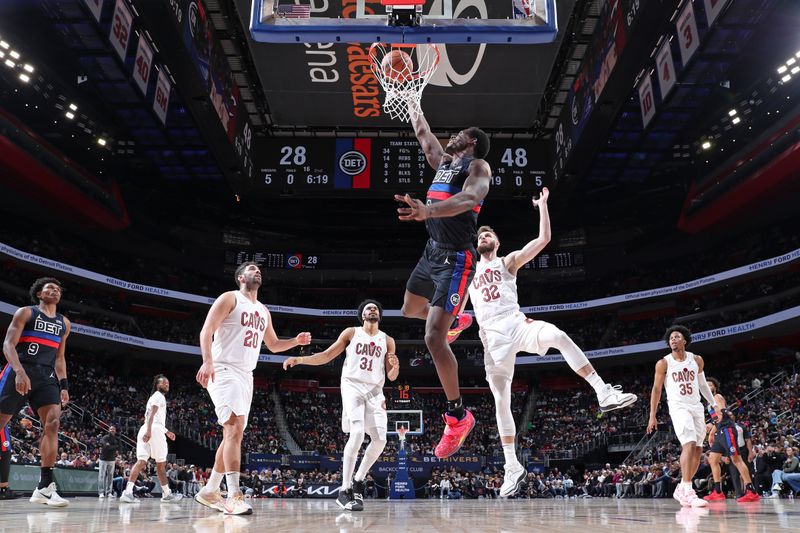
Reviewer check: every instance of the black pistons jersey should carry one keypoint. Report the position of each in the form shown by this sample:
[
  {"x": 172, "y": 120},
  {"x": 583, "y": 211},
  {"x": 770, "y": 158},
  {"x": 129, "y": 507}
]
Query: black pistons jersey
[
  {"x": 460, "y": 229},
  {"x": 41, "y": 339}
]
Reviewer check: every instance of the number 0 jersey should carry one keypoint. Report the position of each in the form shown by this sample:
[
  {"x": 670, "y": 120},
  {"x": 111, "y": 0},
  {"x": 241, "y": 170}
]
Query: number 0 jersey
[
  {"x": 237, "y": 342},
  {"x": 682, "y": 381},
  {"x": 365, "y": 359},
  {"x": 493, "y": 291}
]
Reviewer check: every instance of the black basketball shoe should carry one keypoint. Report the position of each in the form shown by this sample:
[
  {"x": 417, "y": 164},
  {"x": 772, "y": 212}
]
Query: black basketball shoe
[
  {"x": 345, "y": 499},
  {"x": 358, "y": 496}
]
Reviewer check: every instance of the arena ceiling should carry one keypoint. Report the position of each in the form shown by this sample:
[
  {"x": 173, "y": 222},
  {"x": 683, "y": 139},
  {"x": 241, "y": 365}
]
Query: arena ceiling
[{"x": 621, "y": 177}]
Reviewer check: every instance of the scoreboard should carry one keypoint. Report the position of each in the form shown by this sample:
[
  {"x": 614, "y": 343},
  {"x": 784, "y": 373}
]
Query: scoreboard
[
  {"x": 374, "y": 166},
  {"x": 402, "y": 394}
]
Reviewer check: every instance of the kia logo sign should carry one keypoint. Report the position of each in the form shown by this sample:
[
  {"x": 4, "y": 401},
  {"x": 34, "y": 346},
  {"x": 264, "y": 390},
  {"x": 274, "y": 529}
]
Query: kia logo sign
[{"x": 352, "y": 163}]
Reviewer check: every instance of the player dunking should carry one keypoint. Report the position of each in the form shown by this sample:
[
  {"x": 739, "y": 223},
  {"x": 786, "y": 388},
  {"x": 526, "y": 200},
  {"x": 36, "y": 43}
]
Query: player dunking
[
  {"x": 505, "y": 330},
  {"x": 37, "y": 373},
  {"x": 685, "y": 382},
  {"x": 436, "y": 289},
  {"x": 369, "y": 355},
  {"x": 151, "y": 441},
  {"x": 723, "y": 438},
  {"x": 230, "y": 341}
]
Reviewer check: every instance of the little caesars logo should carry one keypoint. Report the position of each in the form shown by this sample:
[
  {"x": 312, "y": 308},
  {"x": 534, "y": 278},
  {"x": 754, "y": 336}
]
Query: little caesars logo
[{"x": 352, "y": 163}]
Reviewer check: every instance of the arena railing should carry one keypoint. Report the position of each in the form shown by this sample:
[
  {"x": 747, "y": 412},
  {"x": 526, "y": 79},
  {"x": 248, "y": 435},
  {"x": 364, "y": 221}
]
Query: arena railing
[{"x": 705, "y": 281}]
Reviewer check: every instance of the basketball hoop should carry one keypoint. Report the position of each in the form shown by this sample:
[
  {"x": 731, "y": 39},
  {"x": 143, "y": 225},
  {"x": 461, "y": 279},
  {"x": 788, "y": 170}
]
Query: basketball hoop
[
  {"x": 404, "y": 86},
  {"x": 401, "y": 432}
]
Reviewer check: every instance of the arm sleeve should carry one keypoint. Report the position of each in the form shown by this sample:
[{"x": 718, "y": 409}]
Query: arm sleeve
[{"x": 705, "y": 390}]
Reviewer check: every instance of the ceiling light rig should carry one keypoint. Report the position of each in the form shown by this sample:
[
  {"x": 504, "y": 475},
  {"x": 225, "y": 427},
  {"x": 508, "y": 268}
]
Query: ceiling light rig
[{"x": 12, "y": 57}]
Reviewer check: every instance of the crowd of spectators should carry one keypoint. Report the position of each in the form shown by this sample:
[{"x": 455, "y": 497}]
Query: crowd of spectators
[
  {"x": 148, "y": 316},
  {"x": 763, "y": 397}
]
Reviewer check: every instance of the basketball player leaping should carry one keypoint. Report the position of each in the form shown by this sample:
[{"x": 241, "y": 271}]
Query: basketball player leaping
[
  {"x": 151, "y": 441},
  {"x": 505, "y": 330},
  {"x": 723, "y": 438},
  {"x": 369, "y": 355},
  {"x": 685, "y": 382},
  {"x": 238, "y": 323},
  {"x": 37, "y": 373},
  {"x": 436, "y": 289}
]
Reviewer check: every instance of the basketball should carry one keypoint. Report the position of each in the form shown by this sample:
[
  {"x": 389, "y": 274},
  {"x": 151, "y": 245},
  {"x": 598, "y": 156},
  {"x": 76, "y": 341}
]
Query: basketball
[{"x": 397, "y": 65}]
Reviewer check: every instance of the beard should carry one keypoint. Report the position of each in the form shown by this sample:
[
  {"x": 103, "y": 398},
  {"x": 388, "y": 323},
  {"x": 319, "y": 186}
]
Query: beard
[
  {"x": 450, "y": 149},
  {"x": 484, "y": 248},
  {"x": 374, "y": 320},
  {"x": 252, "y": 283}
]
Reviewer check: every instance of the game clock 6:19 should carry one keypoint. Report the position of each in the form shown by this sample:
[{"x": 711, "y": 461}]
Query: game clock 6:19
[{"x": 293, "y": 165}]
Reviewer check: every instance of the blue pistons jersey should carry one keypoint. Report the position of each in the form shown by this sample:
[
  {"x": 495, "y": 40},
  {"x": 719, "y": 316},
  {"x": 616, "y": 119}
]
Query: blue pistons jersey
[
  {"x": 41, "y": 338},
  {"x": 460, "y": 229}
]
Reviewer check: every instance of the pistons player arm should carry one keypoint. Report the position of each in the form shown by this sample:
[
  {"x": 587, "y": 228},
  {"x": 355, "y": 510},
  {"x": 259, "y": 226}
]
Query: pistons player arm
[
  {"x": 655, "y": 393},
  {"x": 427, "y": 140},
  {"x": 711, "y": 429},
  {"x": 516, "y": 259},
  {"x": 332, "y": 352},
  {"x": 61, "y": 363},
  {"x": 392, "y": 362},
  {"x": 13, "y": 334},
  {"x": 281, "y": 345},
  {"x": 475, "y": 189}
]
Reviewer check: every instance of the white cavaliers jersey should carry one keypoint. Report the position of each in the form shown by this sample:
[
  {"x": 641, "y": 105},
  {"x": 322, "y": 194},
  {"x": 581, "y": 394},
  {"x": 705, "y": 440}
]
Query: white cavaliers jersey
[
  {"x": 160, "y": 419},
  {"x": 237, "y": 342},
  {"x": 682, "y": 381},
  {"x": 493, "y": 290},
  {"x": 365, "y": 358}
]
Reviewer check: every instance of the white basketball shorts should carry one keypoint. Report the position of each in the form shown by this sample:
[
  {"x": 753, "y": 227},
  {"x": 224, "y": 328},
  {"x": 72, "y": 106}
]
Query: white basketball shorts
[
  {"x": 155, "y": 447},
  {"x": 364, "y": 402},
  {"x": 231, "y": 393},
  {"x": 689, "y": 423},
  {"x": 504, "y": 338}
]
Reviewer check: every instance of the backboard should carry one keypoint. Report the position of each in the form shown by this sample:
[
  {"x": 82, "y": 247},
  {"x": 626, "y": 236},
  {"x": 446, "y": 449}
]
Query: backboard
[
  {"x": 441, "y": 21},
  {"x": 408, "y": 418}
]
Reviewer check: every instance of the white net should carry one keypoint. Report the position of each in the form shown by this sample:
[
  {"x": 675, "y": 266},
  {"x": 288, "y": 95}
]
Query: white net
[{"x": 403, "y": 71}]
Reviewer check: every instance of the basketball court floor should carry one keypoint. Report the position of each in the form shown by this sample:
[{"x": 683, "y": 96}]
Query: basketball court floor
[{"x": 314, "y": 515}]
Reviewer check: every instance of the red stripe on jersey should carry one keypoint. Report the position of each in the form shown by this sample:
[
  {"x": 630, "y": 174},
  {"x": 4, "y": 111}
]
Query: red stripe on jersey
[
  {"x": 439, "y": 195},
  {"x": 39, "y": 340},
  {"x": 462, "y": 285}
]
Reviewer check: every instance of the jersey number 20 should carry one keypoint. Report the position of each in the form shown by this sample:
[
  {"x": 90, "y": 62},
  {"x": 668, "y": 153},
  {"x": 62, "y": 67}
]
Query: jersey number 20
[{"x": 251, "y": 339}]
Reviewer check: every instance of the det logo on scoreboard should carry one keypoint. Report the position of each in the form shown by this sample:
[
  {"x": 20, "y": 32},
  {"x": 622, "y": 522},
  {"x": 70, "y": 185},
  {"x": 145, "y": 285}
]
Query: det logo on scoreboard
[
  {"x": 294, "y": 260},
  {"x": 352, "y": 164}
]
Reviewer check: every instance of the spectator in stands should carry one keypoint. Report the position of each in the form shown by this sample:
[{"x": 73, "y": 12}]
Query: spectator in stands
[{"x": 175, "y": 484}]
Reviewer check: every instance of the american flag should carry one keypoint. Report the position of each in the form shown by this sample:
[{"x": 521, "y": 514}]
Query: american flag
[{"x": 295, "y": 11}]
